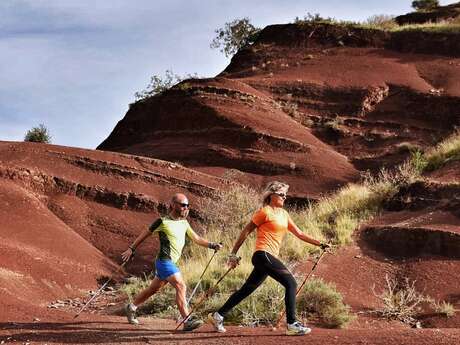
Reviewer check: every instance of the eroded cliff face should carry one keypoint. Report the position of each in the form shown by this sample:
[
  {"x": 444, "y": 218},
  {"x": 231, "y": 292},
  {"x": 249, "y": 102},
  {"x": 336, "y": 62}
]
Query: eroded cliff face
[{"x": 312, "y": 104}]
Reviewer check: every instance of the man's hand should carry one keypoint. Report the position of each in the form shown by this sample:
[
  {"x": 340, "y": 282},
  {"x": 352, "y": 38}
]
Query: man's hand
[
  {"x": 324, "y": 246},
  {"x": 127, "y": 254},
  {"x": 215, "y": 246},
  {"x": 233, "y": 260}
]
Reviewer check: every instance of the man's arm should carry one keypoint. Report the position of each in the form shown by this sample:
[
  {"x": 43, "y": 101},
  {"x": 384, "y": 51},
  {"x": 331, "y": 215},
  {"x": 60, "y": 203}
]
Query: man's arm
[
  {"x": 128, "y": 253},
  {"x": 132, "y": 248},
  {"x": 203, "y": 242}
]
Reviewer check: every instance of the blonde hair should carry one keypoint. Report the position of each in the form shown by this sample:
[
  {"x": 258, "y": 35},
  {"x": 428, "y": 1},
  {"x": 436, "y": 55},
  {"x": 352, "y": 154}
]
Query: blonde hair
[{"x": 273, "y": 187}]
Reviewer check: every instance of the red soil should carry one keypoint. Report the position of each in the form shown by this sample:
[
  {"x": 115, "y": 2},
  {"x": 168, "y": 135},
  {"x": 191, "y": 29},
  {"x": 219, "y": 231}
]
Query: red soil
[
  {"x": 450, "y": 172},
  {"x": 66, "y": 212},
  {"x": 114, "y": 330}
]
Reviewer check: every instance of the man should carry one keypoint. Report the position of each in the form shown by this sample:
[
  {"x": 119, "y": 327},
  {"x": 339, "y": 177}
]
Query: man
[{"x": 171, "y": 230}]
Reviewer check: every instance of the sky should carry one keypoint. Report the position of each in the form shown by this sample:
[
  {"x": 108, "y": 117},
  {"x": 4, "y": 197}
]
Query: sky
[{"x": 74, "y": 65}]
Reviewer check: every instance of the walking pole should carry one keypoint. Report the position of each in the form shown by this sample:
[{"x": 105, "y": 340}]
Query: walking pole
[
  {"x": 201, "y": 277},
  {"x": 298, "y": 290},
  {"x": 206, "y": 295},
  {"x": 96, "y": 294}
]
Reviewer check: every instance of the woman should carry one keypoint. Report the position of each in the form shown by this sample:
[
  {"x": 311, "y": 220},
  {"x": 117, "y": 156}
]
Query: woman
[{"x": 272, "y": 222}]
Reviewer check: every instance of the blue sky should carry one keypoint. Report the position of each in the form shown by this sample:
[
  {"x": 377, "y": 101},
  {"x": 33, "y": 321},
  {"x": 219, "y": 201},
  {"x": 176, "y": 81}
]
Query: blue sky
[{"x": 74, "y": 65}]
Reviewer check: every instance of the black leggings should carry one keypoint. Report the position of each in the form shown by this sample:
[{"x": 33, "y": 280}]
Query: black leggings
[{"x": 265, "y": 265}]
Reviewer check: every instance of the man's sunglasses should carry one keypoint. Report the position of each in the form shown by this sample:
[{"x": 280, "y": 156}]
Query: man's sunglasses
[{"x": 183, "y": 204}]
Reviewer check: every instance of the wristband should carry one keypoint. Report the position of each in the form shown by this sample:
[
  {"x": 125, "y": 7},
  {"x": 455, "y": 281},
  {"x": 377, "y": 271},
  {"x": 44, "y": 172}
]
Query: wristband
[{"x": 213, "y": 245}]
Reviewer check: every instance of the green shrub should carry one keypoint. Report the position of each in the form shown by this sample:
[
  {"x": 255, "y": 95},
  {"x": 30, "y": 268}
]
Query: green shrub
[
  {"x": 38, "y": 134},
  {"x": 235, "y": 35},
  {"x": 321, "y": 300},
  {"x": 418, "y": 161},
  {"x": 311, "y": 18},
  {"x": 159, "y": 84},
  {"x": 381, "y": 21},
  {"x": 425, "y": 5},
  {"x": 445, "y": 151}
]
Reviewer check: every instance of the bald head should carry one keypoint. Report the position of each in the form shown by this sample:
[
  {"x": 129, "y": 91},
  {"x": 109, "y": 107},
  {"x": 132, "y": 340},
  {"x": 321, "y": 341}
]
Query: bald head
[
  {"x": 179, "y": 206},
  {"x": 180, "y": 198}
]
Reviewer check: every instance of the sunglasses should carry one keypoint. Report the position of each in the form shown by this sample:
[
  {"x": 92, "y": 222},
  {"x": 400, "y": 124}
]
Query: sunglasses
[
  {"x": 281, "y": 195},
  {"x": 182, "y": 204}
]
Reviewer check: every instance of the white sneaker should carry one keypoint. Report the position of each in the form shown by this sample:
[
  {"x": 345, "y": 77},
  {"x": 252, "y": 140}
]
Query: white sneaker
[
  {"x": 130, "y": 310},
  {"x": 218, "y": 321},
  {"x": 297, "y": 328}
]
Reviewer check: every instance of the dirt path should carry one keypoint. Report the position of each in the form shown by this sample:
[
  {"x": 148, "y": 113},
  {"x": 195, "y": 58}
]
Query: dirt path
[{"x": 115, "y": 330}]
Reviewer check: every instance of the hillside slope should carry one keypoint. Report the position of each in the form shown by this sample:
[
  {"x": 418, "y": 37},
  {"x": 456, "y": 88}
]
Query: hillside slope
[
  {"x": 311, "y": 104},
  {"x": 67, "y": 213}
]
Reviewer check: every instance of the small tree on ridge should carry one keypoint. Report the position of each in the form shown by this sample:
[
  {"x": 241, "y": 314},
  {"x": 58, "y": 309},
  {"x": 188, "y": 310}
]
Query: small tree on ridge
[
  {"x": 38, "y": 134},
  {"x": 234, "y": 36},
  {"x": 425, "y": 5}
]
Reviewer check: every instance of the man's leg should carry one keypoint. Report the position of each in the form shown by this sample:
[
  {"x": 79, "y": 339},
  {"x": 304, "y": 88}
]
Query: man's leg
[
  {"x": 131, "y": 308},
  {"x": 178, "y": 283},
  {"x": 153, "y": 288}
]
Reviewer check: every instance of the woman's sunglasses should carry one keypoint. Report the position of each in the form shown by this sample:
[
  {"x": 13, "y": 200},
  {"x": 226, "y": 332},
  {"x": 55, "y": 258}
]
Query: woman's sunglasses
[{"x": 281, "y": 195}]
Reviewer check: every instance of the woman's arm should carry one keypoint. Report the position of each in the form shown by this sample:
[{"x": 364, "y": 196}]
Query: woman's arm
[
  {"x": 233, "y": 259},
  {"x": 250, "y": 227},
  {"x": 299, "y": 234}
]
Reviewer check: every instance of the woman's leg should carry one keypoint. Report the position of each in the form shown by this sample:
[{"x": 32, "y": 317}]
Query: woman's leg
[
  {"x": 278, "y": 271},
  {"x": 254, "y": 280}
]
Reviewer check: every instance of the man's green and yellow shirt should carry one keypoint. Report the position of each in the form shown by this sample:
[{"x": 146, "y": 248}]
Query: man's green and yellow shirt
[{"x": 172, "y": 237}]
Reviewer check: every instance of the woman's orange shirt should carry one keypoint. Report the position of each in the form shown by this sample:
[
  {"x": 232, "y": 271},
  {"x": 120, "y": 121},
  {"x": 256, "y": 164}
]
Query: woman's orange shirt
[{"x": 272, "y": 225}]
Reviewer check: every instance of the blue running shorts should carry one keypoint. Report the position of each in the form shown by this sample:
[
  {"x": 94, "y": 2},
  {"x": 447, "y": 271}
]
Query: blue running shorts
[{"x": 165, "y": 268}]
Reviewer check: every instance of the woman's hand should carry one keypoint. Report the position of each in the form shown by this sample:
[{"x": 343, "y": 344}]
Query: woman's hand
[{"x": 233, "y": 260}]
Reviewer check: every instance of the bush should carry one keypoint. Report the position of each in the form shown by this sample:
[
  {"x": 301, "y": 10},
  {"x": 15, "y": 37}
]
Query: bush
[
  {"x": 159, "y": 84},
  {"x": 444, "y": 308},
  {"x": 418, "y": 161},
  {"x": 235, "y": 35},
  {"x": 311, "y": 18},
  {"x": 381, "y": 21},
  {"x": 425, "y": 5},
  {"x": 322, "y": 301},
  {"x": 401, "y": 301},
  {"x": 445, "y": 151},
  {"x": 38, "y": 134}
]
